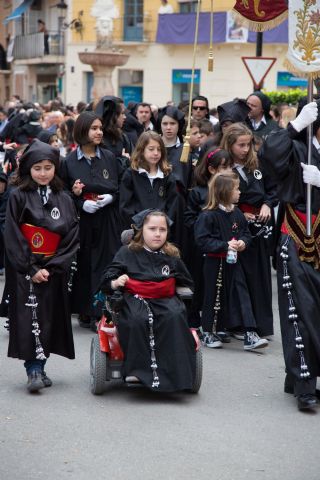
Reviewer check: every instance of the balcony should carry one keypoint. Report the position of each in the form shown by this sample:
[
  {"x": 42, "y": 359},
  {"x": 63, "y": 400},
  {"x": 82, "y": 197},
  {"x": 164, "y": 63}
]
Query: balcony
[
  {"x": 32, "y": 47},
  {"x": 179, "y": 28}
]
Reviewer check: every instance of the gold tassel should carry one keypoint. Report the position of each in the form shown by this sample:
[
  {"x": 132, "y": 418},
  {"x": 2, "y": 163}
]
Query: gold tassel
[
  {"x": 210, "y": 61},
  {"x": 186, "y": 149}
]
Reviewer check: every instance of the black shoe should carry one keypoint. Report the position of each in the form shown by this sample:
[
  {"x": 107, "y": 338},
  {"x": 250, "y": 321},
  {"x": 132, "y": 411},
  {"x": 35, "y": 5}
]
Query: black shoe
[
  {"x": 84, "y": 321},
  {"x": 46, "y": 380},
  {"x": 307, "y": 401},
  {"x": 35, "y": 382}
]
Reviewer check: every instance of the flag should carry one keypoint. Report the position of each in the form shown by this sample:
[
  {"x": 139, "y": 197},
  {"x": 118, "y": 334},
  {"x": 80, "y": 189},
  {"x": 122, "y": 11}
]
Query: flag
[
  {"x": 303, "y": 54},
  {"x": 261, "y": 15}
]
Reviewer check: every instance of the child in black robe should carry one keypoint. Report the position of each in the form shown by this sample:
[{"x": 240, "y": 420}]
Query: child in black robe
[
  {"x": 257, "y": 199},
  {"x": 158, "y": 346},
  {"x": 222, "y": 227},
  {"x": 92, "y": 173},
  {"x": 41, "y": 240},
  {"x": 215, "y": 160},
  {"x": 148, "y": 183}
]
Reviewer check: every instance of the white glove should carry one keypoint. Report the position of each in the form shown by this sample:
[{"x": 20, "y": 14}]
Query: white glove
[
  {"x": 90, "y": 206},
  {"x": 104, "y": 200},
  {"x": 308, "y": 115},
  {"x": 311, "y": 174}
]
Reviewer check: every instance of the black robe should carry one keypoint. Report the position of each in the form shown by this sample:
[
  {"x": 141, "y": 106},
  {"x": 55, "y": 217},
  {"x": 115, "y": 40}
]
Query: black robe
[
  {"x": 174, "y": 343},
  {"x": 255, "y": 260},
  {"x": 197, "y": 199},
  {"x": 281, "y": 155},
  {"x": 213, "y": 230},
  {"x": 137, "y": 194},
  {"x": 53, "y": 310},
  {"x": 99, "y": 231}
]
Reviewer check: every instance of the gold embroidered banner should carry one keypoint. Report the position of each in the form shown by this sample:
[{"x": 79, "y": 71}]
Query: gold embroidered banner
[
  {"x": 261, "y": 15},
  {"x": 304, "y": 37}
]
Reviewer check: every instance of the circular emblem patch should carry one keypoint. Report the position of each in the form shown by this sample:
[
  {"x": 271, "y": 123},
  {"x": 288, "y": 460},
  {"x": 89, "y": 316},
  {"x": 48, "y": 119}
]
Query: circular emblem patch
[
  {"x": 55, "y": 213},
  {"x": 37, "y": 240},
  {"x": 165, "y": 270},
  {"x": 105, "y": 174},
  {"x": 257, "y": 174}
]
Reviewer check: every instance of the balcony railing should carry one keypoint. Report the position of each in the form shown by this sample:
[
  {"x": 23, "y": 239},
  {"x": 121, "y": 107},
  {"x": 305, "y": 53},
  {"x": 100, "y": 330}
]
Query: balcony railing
[{"x": 36, "y": 45}]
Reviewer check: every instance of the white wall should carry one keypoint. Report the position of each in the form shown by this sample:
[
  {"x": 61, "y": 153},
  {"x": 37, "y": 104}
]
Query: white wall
[{"x": 229, "y": 78}]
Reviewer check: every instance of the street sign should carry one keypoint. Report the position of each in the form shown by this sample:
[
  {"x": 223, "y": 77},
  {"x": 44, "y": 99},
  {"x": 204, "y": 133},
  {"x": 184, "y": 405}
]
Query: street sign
[{"x": 258, "y": 68}]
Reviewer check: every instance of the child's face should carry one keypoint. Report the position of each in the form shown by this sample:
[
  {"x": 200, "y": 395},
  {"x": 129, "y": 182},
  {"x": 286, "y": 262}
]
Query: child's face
[
  {"x": 155, "y": 232},
  {"x": 54, "y": 142},
  {"x": 222, "y": 168},
  {"x": 195, "y": 137},
  {"x": 203, "y": 138},
  {"x": 42, "y": 172},
  {"x": 235, "y": 194},
  {"x": 241, "y": 147},
  {"x": 169, "y": 127},
  {"x": 152, "y": 153},
  {"x": 95, "y": 133}
]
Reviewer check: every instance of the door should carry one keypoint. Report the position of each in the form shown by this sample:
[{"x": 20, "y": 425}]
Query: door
[{"x": 133, "y": 21}]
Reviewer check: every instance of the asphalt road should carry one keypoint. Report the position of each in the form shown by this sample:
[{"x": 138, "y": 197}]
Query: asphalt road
[{"x": 241, "y": 426}]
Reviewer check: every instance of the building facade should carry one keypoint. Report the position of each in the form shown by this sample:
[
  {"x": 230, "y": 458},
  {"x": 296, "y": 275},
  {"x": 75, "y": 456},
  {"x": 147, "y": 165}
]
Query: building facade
[{"x": 160, "y": 49}]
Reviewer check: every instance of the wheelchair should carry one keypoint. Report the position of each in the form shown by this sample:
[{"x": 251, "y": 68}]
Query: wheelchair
[{"x": 106, "y": 355}]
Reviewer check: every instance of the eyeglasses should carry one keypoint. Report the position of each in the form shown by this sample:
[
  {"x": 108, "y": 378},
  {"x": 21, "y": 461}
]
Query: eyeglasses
[{"x": 199, "y": 108}]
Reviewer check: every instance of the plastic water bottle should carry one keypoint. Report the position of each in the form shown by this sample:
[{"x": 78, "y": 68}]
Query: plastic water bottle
[{"x": 232, "y": 255}]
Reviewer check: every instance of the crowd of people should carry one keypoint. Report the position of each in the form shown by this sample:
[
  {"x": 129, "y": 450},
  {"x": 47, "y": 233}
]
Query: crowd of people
[{"x": 74, "y": 182}]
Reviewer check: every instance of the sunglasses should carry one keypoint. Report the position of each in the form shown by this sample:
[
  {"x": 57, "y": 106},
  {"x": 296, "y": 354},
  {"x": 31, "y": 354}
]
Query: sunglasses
[{"x": 199, "y": 108}]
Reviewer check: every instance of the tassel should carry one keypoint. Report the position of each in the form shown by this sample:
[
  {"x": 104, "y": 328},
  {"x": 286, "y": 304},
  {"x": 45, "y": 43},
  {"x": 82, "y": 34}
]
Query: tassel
[
  {"x": 186, "y": 149},
  {"x": 210, "y": 61}
]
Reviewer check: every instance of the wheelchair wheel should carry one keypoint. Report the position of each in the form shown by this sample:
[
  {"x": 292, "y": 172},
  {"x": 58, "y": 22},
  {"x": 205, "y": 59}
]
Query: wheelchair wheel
[
  {"x": 198, "y": 373},
  {"x": 98, "y": 367}
]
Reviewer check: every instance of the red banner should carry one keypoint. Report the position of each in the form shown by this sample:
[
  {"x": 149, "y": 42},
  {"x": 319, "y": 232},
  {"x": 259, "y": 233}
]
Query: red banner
[{"x": 261, "y": 15}]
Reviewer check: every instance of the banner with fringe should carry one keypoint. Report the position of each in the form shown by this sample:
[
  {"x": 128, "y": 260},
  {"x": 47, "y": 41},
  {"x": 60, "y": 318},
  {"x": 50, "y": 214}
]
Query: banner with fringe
[
  {"x": 261, "y": 15},
  {"x": 304, "y": 37}
]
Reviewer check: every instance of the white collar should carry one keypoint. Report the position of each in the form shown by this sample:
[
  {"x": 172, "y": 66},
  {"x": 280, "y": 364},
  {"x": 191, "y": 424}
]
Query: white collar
[
  {"x": 176, "y": 144},
  {"x": 316, "y": 143},
  {"x": 159, "y": 173},
  {"x": 257, "y": 124},
  {"x": 152, "y": 251},
  {"x": 225, "y": 209}
]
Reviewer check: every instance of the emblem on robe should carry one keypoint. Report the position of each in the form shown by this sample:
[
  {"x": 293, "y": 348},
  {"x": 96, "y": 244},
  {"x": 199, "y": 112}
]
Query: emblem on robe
[
  {"x": 165, "y": 270},
  {"x": 37, "y": 240},
  {"x": 161, "y": 192},
  {"x": 55, "y": 213},
  {"x": 105, "y": 174},
  {"x": 257, "y": 174}
]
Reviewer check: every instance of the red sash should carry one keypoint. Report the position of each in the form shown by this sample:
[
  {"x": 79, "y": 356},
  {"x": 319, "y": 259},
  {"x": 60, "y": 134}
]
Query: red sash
[
  {"x": 166, "y": 288},
  {"x": 40, "y": 239},
  {"x": 90, "y": 196},
  {"x": 217, "y": 255},
  {"x": 245, "y": 208}
]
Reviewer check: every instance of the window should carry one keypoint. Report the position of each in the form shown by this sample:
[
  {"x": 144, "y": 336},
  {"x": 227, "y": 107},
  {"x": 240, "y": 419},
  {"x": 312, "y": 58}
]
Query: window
[
  {"x": 133, "y": 20},
  {"x": 188, "y": 7}
]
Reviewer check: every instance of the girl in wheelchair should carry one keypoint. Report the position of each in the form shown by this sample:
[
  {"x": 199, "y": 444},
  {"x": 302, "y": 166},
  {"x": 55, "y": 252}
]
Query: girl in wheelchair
[{"x": 159, "y": 348}]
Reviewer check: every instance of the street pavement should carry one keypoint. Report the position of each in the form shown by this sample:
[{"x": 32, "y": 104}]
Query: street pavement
[{"x": 241, "y": 426}]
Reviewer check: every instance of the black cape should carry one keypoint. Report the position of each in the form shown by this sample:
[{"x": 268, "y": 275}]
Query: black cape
[
  {"x": 174, "y": 343},
  {"x": 213, "y": 230},
  {"x": 99, "y": 231},
  {"x": 53, "y": 310},
  {"x": 282, "y": 154},
  {"x": 255, "y": 260}
]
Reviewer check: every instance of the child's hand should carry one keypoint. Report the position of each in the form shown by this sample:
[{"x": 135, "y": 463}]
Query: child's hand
[
  {"x": 249, "y": 216},
  {"x": 125, "y": 154},
  {"x": 9, "y": 146},
  {"x": 233, "y": 244},
  {"x": 265, "y": 213},
  {"x": 241, "y": 246},
  {"x": 119, "y": 282},
  {"x": 41, "y": 276},
  {"x": 77, "y": 187}
]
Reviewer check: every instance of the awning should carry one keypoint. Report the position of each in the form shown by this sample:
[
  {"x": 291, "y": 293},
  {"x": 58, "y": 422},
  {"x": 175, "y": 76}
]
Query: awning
[{"x": 23, "y": 7}]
